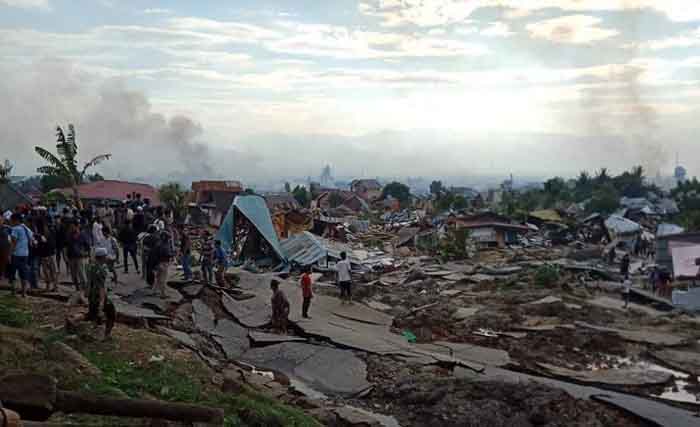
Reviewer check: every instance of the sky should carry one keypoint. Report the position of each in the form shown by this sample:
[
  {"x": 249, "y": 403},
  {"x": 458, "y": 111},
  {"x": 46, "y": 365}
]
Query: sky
[{"x": 254, "y": 89}]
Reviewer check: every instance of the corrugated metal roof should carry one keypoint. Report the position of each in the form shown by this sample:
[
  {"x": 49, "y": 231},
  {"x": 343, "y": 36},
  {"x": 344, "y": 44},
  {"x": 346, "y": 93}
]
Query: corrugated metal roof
[
  {"x": 621, "y": 225},
  {"x": 308, "y": 249},
  {"x": 114, "y": 191},
  {"x": 668, "y": 230}
]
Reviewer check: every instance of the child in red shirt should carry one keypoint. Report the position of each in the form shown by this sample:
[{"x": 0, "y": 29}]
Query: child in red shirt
[{"x": 306, "y": 292}]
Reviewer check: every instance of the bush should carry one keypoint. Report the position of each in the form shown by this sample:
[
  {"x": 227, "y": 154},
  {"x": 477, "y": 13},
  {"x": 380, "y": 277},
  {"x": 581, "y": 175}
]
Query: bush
[{"x": 547, "y": 276}]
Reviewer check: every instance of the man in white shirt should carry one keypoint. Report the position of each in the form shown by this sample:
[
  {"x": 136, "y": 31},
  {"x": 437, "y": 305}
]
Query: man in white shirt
[{"x": 344, "y": 278}]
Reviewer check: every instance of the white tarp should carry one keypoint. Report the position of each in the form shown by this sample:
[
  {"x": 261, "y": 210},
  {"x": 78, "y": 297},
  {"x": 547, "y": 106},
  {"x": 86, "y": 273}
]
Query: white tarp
[{"x": 684, "y": 259}]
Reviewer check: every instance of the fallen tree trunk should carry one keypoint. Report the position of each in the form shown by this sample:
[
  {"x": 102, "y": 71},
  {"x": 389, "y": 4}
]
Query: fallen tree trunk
[{"x": 70, "y": 402}]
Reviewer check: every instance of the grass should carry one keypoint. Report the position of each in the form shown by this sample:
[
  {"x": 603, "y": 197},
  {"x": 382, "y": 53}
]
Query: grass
[
  {"x": 178, "y": 382},
  {"x": 126, "y": 372},
  {"x": 13, "y": 314}
]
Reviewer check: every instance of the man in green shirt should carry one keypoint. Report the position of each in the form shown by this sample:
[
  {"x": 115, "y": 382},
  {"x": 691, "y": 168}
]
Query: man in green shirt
[{"x": 98, "y": 295}]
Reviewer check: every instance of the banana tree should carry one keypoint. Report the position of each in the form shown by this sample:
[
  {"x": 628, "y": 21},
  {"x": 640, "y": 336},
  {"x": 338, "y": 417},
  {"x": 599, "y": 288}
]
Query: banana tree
[{"x": 64, "y": 164}]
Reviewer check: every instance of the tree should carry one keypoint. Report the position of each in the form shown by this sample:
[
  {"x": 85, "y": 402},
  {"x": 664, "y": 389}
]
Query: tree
[
  {"x": 556, "y": 190},
  {"x": 64, "y": 164},
  {"x": 399, "y": 191},
  {"x": 436, "y": 188},
  {"x": 287, "y": 187},
  {"x": 605, "y": 200},
  {"x": 6, "y": 171},
  {"x": 302, "y": 196},
  {"x": 174, "y": 197},
  {"x": 460, "y": 203},
  {"x": 95, "y": 177}
]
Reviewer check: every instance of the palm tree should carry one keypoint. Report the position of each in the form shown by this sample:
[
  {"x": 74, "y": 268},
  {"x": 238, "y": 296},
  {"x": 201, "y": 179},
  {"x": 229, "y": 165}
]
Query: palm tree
[{"x": 65, "y": 164}]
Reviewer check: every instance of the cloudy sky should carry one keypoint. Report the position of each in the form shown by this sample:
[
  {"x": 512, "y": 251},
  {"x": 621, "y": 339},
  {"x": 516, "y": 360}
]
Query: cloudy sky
[{"x": 259, "y": 88}]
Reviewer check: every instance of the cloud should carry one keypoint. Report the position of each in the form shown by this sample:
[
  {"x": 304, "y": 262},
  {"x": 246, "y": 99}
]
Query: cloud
[
  {"x": 684, "y": 40},
  {"x": 157, "y": 11},
  {"x": 27, "y": 4},
  {"x": 428, "y": 13},
  {"x": 497, "y": 29},
  {"x": 570, "y": 29}
]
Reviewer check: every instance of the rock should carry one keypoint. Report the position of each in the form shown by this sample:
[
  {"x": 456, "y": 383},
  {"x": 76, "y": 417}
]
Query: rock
[
  {"x": 350, "y": 417},
  {"x": 379, "y": 306},
  {"x": 685, "y": 361},
  {"x": 232, "y": 337},
  {"x": 180, "y": 337},
  {"x": 546, "y": 300}
]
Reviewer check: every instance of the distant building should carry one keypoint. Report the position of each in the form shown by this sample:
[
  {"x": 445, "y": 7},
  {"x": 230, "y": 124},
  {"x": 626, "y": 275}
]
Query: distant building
[
  {"x": 474, "y": 198},
  {"x": 489, "y": 229},
  {"x": 216, "y": 197},
  {"x": 343, "y": 200},
  {"x": 281, "y": 202},
  {"x": 368, "y": 189},
  {"x": 112, "y": 192}
]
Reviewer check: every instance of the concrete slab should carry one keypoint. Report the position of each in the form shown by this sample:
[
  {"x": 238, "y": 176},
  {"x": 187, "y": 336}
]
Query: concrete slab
[
  {"x": 232, "y": 337},
  {"x": 615, "y": 377},
  {"x": 618, "y": 305},
  {"x": 468, "y": 353},
  {"x": 315, "y": 365},
  {"x": 262, "y": 338},
  {"x": 682, "y": 360},
  {"x": 376, "y": 305},
  {"x": 640, "y": 336},
  {"x": 253, "y": 313},
  {"x": 363, "y": 314},
  {"x": 203, "y": 317}
]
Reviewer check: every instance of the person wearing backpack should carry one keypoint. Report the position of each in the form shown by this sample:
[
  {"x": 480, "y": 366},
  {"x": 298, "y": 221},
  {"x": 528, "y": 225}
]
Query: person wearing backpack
[{"x": 21, "y": 242}]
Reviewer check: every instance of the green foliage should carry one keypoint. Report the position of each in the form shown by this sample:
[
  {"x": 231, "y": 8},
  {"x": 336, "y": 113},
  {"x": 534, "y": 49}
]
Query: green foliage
[
  {"x": 399, "y": 191},
  {"x": 12, "y": 314},
  {"x": 176, "y": 382},
  {"x": 302, "y": 196},
  {"x": 64, "y": 164},
  {"x": 174, "y": 197},
  {"x": 52, "y": 182},
  {"x": 547, "y": 276},
  {"x": 454, "y": 245},
  {"x": 287, "y": 187},
  {"x": 95, "y": 177},
  {"x": 605, "y": 200}
]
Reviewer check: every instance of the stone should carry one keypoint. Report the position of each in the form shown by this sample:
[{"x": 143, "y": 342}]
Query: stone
[
  {"x": 234, "y": 381},
  {"x": 685, "y": 361},
  {"x": 69, "y": 357}
]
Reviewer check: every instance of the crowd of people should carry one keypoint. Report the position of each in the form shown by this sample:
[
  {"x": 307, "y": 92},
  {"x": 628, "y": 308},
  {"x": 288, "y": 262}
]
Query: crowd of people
[{"x": 37, "y": 244}]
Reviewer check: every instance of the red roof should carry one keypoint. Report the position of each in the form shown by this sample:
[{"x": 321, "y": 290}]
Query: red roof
[
  {"x": 219, "y": 186},
  {"x": 114, "y": 190}
]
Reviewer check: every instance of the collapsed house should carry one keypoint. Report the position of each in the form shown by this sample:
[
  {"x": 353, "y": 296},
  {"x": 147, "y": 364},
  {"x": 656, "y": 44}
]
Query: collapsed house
[
  {"x": 212, "y": 199},
  {"x": 489, "y": 229},
  {"x": 247, "y": 233},
  {"x": 623, "y": 231}
]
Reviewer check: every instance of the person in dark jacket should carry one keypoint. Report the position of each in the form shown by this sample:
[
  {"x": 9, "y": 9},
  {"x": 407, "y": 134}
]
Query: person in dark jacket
[
  {"x": 128, "y": 237},
  {"x": 625, "y": 266},
  {"x": 46, "y": 251}
]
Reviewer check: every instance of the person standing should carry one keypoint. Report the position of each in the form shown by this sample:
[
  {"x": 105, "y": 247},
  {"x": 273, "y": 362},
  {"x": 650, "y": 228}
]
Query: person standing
[
  {"x": 280, "y": 307},
  {"x": 221, "y": 264},
  {"x": 207, "y": 257},
  {"x": 98, "y": 293},
  {"x": 110, "y": 243},
  {"x": 5, "y": 248},
  {"x": 186, "y": 254},
  {"x": 344, "y": 277},
  {"x": 149, "y": 259},
  {"x": 306, "y": 292},
  {"x": 60, "y": 234},
  {"x": 21, "y": 241},
  {"x": 139, "y": 221},
  {"x": 162, "y": 253},
  {"x": 46, "y": 251},
  {"x": 626, "y": 290},
  {"x": 129, "y": 241},
  {"x": 98, "y": 237},
  {"x": 625, "y": 266}
]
